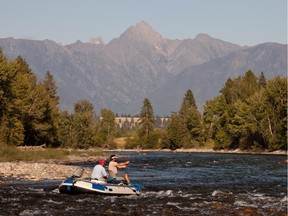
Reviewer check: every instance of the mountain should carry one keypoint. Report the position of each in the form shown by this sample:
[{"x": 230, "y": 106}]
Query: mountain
[
  {"x": 142, "y": 63},
  {"x": 207, "y": 79}
]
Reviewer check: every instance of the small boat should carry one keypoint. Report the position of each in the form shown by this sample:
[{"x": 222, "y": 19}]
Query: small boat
[{"x": 75, "y": 184}]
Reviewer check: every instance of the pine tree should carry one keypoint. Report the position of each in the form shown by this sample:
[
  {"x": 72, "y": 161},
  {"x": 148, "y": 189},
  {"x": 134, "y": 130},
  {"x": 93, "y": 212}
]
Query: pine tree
[
  {"x": 146, "y": 125},
  {"x": 262, "y": 82},
  {"x": 52, "y": 114},
  {"x": 5, "y": 82},
  {"x": 188, "y": 102},
  {"x": 248, "y": 85},
  {"x": 185, "y": 128},
  {"x": 227, "y": 91},
  {"x": 190, "y": 121},
  {"x": 51, "y": 87},
  {"x": 146, "y": 118}
]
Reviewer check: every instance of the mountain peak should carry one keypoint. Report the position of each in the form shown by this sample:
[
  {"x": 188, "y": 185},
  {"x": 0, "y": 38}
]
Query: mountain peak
[
  {"x": 142, "y": 25},
  {"x": 142, "y": 31},
  {"x": 203, "y": 37}
]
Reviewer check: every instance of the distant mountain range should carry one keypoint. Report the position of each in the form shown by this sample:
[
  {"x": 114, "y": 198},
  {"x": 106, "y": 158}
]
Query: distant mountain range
[{"x": 141, "y": 63}]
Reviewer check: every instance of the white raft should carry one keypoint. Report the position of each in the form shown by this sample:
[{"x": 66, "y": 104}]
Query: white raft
[{"x": 74, "y": 184}]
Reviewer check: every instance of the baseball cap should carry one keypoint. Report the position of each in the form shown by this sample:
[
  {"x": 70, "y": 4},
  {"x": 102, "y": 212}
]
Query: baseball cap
[{"x": 102, "y": 161}]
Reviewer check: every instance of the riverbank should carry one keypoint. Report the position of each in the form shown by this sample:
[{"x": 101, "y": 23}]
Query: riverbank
[{"x": 45, "y": 169}]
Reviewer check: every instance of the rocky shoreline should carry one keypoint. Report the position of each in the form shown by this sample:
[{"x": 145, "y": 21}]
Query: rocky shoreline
[
  {"x": 44, "y": 170},
  {"x": 59, "y": 170},
  {"x": 34, "y": 171}
]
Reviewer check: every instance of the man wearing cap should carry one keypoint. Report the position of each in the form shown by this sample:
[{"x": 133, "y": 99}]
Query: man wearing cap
[
  {"x": 99, "y": 172},
  {"x": 113, "y": 171}
]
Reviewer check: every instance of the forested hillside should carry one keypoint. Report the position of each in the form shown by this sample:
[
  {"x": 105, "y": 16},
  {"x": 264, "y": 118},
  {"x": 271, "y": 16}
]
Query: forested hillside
[{"x": 249, "y": 113}]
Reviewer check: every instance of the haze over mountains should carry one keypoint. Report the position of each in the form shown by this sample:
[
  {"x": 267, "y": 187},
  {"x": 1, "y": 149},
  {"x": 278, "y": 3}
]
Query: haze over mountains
[{"x": 142, "y": 63}]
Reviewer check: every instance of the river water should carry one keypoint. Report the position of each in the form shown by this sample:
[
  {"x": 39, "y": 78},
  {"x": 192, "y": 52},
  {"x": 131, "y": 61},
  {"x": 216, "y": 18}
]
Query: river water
[{"x": 175, "y": 184}]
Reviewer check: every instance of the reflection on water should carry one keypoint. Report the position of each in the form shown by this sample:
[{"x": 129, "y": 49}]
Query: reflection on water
[{"x": 175, "y": 184}]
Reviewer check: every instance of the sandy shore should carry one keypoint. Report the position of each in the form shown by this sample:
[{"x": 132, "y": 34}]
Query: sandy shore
[{"x": 59, "y": 170}]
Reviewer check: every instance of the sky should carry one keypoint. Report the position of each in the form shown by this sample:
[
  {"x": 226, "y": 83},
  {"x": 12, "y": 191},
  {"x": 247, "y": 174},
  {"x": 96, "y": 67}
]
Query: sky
[{"x": 243, "y": 22}]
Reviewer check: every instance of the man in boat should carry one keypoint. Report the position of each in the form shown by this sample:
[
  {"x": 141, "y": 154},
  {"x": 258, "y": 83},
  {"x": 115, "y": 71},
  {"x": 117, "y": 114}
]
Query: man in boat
[
  {"x": 113, "y": 169},
  {"x": 99, "y": 172}
]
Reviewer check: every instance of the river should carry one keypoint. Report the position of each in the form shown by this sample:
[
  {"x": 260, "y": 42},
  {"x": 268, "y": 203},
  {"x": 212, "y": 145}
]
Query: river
[{"x": 175, "y": 184}]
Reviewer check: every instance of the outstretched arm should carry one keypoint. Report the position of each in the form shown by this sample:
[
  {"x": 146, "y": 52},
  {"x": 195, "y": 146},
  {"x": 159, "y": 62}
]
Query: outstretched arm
[{"x": 122, "y": 165}]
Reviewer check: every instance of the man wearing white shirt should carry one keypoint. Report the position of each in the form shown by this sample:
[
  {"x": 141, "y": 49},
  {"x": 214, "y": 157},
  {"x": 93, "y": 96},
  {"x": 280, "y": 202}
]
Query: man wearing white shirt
[{"x": 99, "y": 172}]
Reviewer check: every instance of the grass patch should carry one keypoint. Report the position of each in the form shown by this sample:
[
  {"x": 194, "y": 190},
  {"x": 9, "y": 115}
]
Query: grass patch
[{"x": 8, "y": 154}]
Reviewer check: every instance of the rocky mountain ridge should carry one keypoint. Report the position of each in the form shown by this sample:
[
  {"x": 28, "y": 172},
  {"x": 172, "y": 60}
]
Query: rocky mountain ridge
[{"x": 141, "y": 63}]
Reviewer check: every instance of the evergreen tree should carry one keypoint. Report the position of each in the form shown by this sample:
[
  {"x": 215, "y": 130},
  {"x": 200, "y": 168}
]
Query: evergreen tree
[
  {"x": 185, "y": 128},
  {"x": 146, "y": 118},
  {"x": 6, "y": 77},
  {"x": 248, "y": 85},
  {"x": 146, "y": 125},
  {"x": 5, "y": 81},
  {"x": 190, "y": 122},
  {"x": 262, "y": 82},
  {"x": 188, "y": 102},
  {"x": 227, "y": 91},
  {"x": 51, "y": 87},
  {"x": 52, "y": 115}
]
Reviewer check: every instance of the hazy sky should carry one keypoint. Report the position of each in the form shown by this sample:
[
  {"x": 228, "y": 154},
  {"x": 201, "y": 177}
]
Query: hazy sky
[{"x": 244, "y": 22}]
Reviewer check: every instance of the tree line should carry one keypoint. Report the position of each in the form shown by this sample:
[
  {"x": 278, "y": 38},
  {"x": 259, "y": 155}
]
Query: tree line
[{"x": 249, "y": 113}]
